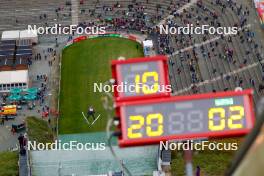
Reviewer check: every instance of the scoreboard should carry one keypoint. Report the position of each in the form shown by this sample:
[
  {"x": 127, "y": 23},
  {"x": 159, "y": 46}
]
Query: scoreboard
[
  {"x": 149, "y": 76},
  {"x": 186, "y": 117},
  {"x": 148, "y": 116}
]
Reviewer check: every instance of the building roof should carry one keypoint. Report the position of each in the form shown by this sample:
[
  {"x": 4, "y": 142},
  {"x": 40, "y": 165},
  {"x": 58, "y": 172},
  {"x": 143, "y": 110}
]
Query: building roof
[
  {"x": 19, "y": 76},
  {"x": 24, "y": 36},
  {"x": 148, "y": 43},
  {"x": 28, "y": 34},
  {"x": 10, "y": 35}
]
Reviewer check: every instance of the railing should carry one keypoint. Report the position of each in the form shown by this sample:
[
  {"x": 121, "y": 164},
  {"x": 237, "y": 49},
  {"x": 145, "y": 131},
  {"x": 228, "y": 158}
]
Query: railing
[
  {"x": 28, "y": 162},
  {"x": 159, "y": 159}
]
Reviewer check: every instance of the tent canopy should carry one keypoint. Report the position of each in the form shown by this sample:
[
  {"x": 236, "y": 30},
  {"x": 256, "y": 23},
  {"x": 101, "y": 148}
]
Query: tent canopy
[
  {"x": 24, "y": 35},
  {"x": 10, "y": 35},
  {"x": 30, "y": 97},
  {"x": 14, "y": 97},
  {"x": 18, "y": 76},
  {"x": 15, "y": 91},
  {"x": 32, "y": 90},
  {"x": 29, "y": 35},
  {"x": 148, "y": 43}
]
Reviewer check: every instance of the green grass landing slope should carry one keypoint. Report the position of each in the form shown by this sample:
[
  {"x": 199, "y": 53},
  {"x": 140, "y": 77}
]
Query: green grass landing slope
[
  {"x": 84, "y": 64},
  {"x": 8, "y": 163}
]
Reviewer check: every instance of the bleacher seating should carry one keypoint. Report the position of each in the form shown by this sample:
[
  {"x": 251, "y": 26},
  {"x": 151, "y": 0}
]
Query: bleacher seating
[
  {"x": 222, "y": 64},
  {"x": 213, "y": 60}
]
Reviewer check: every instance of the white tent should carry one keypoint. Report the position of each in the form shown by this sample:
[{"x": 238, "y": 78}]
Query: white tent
[
  {"x": 148, "y": 44},
  {"x": 10, "y": 35},
  {"x": 13, "y": 79},
  {"x": 257, "y": 3},
  {"x": 29, "y": 35},
  {"x": 25, "y": 36}
]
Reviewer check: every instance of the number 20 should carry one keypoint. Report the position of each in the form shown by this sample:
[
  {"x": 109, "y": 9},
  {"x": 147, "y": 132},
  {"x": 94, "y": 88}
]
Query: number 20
[{"x": 141, "y": 121}]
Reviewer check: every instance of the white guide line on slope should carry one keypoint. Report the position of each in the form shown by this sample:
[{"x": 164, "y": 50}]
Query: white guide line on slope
[
  {"x": 179, "y": 11},
  {"x": 204, "y": 43},
  {"x": 220, "y": 77}
]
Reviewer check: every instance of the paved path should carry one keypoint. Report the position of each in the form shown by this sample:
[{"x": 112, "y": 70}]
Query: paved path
[
  {"x": 7, "y": 139},
  {"x": 75, "y": 12},
  {"x": 23, "y": 167}
]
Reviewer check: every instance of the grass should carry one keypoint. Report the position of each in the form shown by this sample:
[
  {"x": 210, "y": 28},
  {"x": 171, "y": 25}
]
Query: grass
[
  {"x": 88, "y": 62},
  {"x": 213, "y": 163},
  {"x": 8, "y": 164},
  {"x": 38, "y": 130},
  {"x": 84, "y": 64}
]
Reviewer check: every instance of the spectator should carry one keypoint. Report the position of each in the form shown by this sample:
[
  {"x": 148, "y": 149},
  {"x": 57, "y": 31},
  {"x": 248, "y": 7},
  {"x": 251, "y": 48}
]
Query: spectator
[
  {"x": 21, "y": 141},
  {"x": 91, "y": 112},
  {"x": 2, "y": 121}
]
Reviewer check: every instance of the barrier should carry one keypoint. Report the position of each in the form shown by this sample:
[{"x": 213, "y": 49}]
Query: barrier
[
  {"x": 118, "y": 35},
  {"x": 259, "y": 5},
  {"x": 78, "y": 39}
]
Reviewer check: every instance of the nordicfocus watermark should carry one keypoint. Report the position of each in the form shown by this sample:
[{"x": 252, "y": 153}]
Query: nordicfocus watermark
[
  {"x": 71, "y": 145},
  {"x": 191, "y": 29},
  {"x": 199, "y": 146},
  {"x": 124, "y": 87},
  {"x": 58, "y": 29}
]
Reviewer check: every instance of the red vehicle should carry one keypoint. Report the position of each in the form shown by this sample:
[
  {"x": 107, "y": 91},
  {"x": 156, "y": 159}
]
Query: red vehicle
[{"x": 8, "y": 110}]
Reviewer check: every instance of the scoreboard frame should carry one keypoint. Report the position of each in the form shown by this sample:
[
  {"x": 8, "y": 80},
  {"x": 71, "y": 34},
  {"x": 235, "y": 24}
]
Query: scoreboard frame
[
  {"x": 163, "y": 69},
  {"x": 248, "y": 105}
]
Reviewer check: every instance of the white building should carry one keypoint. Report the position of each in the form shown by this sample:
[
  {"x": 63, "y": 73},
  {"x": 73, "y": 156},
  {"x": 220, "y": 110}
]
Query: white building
[
  {"x": 10, "y": 35},
  {"x": 13, "y": 79},
  {"x": 148, "y": 47},
  {"x": 25, "y": 37},
  {"x": 28, "y": 37}
]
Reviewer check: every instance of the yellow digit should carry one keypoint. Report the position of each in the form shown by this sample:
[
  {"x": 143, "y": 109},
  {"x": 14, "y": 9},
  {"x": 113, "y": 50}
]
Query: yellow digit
[
  {"x": 130, "y": 131},
  {"x": 155, "y": 86},
  {"x": 159, "y": 130},
  {"x": 137, "y": 81},
  {"x": 236, "y": 117},
  {"x": 211, "y": 115}
]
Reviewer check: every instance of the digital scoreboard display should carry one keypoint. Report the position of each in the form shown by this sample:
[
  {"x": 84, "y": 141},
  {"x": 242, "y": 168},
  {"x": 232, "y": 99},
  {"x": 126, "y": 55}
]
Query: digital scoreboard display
[
  {"x": 141, "y": 77},
  {"x": 186, "y": 117}
]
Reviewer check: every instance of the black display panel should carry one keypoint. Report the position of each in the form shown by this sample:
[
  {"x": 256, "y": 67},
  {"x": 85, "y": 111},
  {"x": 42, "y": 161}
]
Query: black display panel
[
  {"x": 185, "y": 117},
  {"x": 143, "y": 78}
]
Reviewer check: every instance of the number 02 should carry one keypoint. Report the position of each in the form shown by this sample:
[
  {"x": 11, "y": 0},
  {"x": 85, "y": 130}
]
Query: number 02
[{"x": 230, "y": 121}]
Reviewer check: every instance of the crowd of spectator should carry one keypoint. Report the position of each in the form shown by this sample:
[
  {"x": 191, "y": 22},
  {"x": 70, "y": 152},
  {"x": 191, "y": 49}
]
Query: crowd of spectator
[
  {"x": 220, "y": 55},
  {"x": 191, "y": 63}
]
